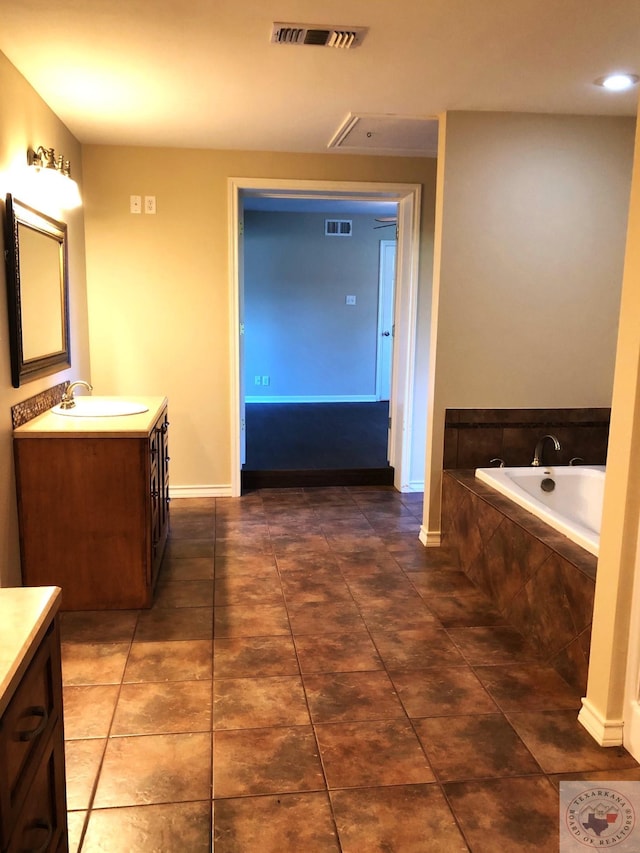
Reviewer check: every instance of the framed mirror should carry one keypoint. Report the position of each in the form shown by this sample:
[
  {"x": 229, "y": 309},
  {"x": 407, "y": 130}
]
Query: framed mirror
[{"x": 37, "y": 292}]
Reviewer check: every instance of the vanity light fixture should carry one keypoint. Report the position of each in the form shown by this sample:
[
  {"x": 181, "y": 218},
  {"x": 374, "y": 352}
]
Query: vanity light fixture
[
  {"x": 618, "y": 82},
  {"x": 56, "y": 172}
]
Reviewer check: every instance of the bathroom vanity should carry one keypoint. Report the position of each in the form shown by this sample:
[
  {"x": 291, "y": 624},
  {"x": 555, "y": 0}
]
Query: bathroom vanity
[
  {"x": 33, "y": 813},
  {"x": 93, "y": 505}
]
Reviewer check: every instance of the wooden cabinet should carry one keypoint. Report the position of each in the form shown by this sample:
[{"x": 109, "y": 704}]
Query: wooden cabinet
[
  {"x": 33, "y": 813},
  {"x": 94, "y": 512}
]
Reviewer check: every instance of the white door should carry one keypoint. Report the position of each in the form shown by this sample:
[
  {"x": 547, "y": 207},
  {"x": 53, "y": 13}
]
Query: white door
[{"x": 386, "y": 292}]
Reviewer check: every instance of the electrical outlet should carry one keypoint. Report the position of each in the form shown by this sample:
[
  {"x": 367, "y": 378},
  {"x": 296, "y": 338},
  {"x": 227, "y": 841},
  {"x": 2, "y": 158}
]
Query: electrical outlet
[
  {"x": 135, "y": 204},
  {"x": 265, "y": 380},
  {"x": 149, "y": 204},
  {"x": 257, "y": 380},
  {"x": 350, "y": 300}
]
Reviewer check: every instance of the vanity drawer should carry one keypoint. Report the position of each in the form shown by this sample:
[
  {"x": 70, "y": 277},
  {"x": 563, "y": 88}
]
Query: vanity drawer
[{"x": 26, "y": 726}]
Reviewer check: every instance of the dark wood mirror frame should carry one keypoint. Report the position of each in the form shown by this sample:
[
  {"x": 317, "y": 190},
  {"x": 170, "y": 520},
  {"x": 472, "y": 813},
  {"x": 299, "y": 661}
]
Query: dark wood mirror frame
[{"x": 37, "y": 292}]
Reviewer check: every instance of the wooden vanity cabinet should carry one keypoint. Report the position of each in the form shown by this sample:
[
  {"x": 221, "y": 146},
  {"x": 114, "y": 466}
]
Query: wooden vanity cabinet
[
  {"x": 94, "y": 514},
  {"x": 33, "y": 811}
]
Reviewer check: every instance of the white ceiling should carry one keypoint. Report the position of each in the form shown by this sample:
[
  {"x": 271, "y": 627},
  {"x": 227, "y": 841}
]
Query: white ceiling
[{"x": 204, "y": 74}]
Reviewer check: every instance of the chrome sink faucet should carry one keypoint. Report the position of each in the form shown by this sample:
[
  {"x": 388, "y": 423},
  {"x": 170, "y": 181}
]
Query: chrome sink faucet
[
  {"x": 537, "y": 454},
  {"x": 68, "y": 401}
]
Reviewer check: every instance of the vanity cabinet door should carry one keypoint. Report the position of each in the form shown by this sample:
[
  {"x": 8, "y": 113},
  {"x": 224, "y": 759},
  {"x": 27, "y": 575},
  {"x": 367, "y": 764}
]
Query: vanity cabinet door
[
  {"x": 32, "y": 776},
  {"x": 159, "y": 485}
]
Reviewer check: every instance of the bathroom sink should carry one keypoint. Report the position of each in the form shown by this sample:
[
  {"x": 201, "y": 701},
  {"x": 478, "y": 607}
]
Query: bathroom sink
[{"x": 101, "y": 407}]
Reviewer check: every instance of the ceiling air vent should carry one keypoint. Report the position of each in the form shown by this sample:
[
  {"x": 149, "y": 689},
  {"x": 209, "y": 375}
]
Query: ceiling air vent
[
  {"x": 321, "y": 36},
  {"x": 338, "y": 227}
]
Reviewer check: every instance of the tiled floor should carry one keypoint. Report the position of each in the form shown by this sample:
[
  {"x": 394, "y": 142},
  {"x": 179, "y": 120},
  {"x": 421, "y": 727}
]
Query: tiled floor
[{"x": 330, "y": 683}]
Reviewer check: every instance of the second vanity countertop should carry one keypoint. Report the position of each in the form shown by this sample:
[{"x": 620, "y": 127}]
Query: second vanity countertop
[
  {"x": 51, "y": 425},
  {"x": 24, "y": 613}
]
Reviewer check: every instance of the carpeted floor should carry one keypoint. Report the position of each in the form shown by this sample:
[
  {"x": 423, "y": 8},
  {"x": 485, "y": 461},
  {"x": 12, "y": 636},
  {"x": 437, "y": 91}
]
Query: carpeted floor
[{"x": 312, "y": 436}]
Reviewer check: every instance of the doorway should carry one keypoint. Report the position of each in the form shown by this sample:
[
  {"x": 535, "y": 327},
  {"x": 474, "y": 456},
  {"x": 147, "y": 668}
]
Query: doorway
[{"x": 407, "y": 198}]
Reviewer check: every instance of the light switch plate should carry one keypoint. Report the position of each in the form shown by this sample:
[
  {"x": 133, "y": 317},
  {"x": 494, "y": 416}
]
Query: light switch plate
[{"x": 351, "y": 300}]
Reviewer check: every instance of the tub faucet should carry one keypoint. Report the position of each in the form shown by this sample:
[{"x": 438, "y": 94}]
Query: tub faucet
[
  {"x": 67, "y": 401},
  {"x": 537, "y": 453}
]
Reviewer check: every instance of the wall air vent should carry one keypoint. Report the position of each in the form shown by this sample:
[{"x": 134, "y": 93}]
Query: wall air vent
[
  {"x": 338, "y": 227},
  {"x": 320, "y": 36}
]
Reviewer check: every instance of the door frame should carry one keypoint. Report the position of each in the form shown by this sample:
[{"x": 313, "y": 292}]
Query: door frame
[
  {"x": 385, "y": 246},
  {"x": 408, "y": 198}
]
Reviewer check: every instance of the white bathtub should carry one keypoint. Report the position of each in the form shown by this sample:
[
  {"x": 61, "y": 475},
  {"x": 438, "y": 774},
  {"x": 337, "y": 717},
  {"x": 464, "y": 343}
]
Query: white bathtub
[{"x": 573, "y": 508}]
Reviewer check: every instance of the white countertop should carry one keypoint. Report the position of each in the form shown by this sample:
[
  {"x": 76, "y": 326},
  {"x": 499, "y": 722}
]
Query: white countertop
[
  {"x": 51, "y": 425},
  {"x": 24, "y": 612}
]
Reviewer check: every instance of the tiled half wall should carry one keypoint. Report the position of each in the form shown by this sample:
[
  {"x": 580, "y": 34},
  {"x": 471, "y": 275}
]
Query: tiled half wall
[
  {"x": 472, "y": 437},
  {"x": 541, "y": 582}
]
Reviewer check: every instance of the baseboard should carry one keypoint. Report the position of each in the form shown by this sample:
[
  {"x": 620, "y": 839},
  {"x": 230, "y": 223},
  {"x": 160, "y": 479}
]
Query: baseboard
[
  {"x": 604, "y": 732},
  {"x": 416, "y": 486},
  {"x": 177, "y": 492},
  {"x": 317, "y": 477},
  {"x": 430, "y": 538},
  {"x": 347, "y": 398}
]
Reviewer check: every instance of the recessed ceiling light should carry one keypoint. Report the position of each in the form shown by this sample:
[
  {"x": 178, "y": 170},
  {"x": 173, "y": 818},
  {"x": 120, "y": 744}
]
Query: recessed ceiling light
[{"x": 617, "y": 82}]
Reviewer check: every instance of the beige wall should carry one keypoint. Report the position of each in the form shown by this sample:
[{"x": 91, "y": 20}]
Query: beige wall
[
  {"x": 26, "y": 121},
  {"x": 158, "y": 285},
  {"x": 530, "y": 246}
]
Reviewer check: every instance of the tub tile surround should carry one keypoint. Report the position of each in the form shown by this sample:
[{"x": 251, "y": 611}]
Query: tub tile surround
[
  {"x": 537, "y": 579},
  {"x": 472, "y": 437},
  {"x": 311, "y": 678}
]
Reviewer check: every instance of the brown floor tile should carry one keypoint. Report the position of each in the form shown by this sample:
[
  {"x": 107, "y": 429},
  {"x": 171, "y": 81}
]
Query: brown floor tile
[
  {"x": 470, "y": 610},
  {"x": 531, "y": 688},
  {"x": 101, "y": 699},
  {"x": 442, "y": 691},
  {"x": 176, "y": 660},
  {"x": 416, "y": 648},
  {"x": 184, "y": 526},
  {"x": 302, "y": 543},
  {"x": 75, "y": 825},
  {"x": 260, "y": 620},
  {"x": 358, "y": 565},
  {"x": 507, "y": 814},
  {"x": 176, "y": 706},
  {"x": 82, "y": 760},
  {"x": 307, "y": 563},
  {"x": 631, "y": 774},
  {"x": 247, "y": 590},
  {"x": 305, "y": 587},
  {"x": 164, "y": 827},
  {"x": 187, "y": 569},
  {"x": 155, "y": 769},
  {"x": 409, "y": 614},
  {"x": 407, "y": 818},
  {"x": 266, "y": 761},
  {"x": 189, "y": 548},
  {"x": 383, "y": 752},
  {"x": 351, "y": 696},
  {"x": 323, "y": 617},
  {"x": 492, "y": 645},
  {"x": 242, "y": 703},
  {"x": 93, "y": 663},
  {"x": 180, "y": 623},
  {"x": 184, "y": 594},
  {"x": 98, "y": 626},
  {"x": 254, "y": 656},
  {"x": 443, "y": 581},
  {"x": 245, "y": 564},
  {"x": 387, "y": 586},
  {"x": 261, "y": 823},
  {"x": 235, "y": 548},
  {"x": 560, "y": 744},
  {"x": 474, "y": 747},
  {"x": 337, "y": 652}
]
